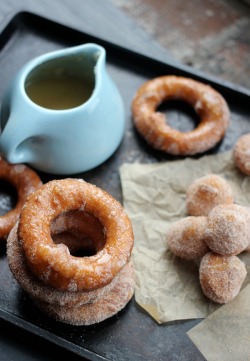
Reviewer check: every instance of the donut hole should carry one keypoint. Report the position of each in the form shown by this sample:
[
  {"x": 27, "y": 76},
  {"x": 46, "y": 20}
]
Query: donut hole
[
  {"x": 81, "y": 232},
  {"x": 179, "y": 114},
  {"x": 8, "y": 197}
]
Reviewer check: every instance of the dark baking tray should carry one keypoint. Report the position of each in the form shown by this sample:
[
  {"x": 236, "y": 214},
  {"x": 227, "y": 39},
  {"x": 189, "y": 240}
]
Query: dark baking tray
[{"x": 132, "y": 334}]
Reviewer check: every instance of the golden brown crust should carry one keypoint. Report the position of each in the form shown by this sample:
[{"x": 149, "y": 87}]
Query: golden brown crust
[
  {"x": 77, "y": 308},
  {"x": 207, "y": 102},
  {"x": 185, "y": 238},
  {"x": 241, "y": 154},
  {"x": 221, "y": 277},
  {"x": 207, "y": 192},
  {"x": 25, "y": 181},
  {"x": 94, "y": 312},
  {"x": 52, "y": 263},
  {"x": 36, "y": 289},
  {"x": 228, "y": 229}
]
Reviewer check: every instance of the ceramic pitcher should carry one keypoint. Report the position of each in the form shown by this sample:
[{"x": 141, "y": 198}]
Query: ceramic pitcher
[{"x": 62, "y": 113}]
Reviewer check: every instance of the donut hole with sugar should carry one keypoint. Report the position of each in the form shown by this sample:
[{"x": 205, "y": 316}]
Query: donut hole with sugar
[
  {"x": 221, "y": 277},
  {"x": 186, "y": 238},
  {"x": 205, "y": 193},
  {"x": 241, "y": 154},
  {"x": 228, "y": 229}
]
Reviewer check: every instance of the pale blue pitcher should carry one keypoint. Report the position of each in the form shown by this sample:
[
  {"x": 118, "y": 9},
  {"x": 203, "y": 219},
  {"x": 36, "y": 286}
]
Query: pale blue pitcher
[{"x": 63, "y": 141}]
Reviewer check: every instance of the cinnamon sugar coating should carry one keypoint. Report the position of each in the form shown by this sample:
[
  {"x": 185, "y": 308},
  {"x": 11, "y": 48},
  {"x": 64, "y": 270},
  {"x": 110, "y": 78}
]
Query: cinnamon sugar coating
[
  {"x": 208, "y": 103},
  {"x": 185, "y": 237},
  {"x": 94, "y": 312},
  {"x": 75, "y": 308},
  {"x": 228, "y": 229},
  {"x": 96, "y": 279},
  {"x": 25, "y": 181},
  {"x": 205, "y": 193},
  {"x": 241, "y": 154},
  {"x": 37, "y": 289},
  {"x": 52, "y": 263},
  {"x": 221, "y": 277}
]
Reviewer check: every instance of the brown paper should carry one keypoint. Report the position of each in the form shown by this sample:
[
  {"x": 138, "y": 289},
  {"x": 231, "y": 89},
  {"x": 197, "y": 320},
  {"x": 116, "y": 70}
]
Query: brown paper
[
  {"x": 225, "y": 334},
  {"x": 154, "y": 196}
]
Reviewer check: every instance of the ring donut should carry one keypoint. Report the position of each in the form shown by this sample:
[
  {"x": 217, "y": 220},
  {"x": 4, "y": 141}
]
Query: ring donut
[
  {"x": 52, "y": 263},
  {"x": 207, "y": 102},
  {"x": 36, "y": 289},
  {"x": 25, "y": 181},
  {"x": 90, "y": 313}
]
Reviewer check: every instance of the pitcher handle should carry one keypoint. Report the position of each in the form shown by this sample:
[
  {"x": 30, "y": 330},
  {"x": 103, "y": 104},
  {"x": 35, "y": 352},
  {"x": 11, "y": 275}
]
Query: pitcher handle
[{"x": 14, "y": 138}]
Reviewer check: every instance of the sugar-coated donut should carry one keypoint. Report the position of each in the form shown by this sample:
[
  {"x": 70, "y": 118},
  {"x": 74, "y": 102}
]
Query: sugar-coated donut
[
  {"x": 241, "y": 154},
  {"x": 25, "y": 181},
  {"x": 35, "y": 288},
  {"x": 205, "y": 193},
  {"x": 221, "y": 277},
  {"x": 103, "y": 308},
  {"x": 185, "y": 237},
  {"x": 52, "y": 263},
  {"x": 206, "y": 101},
  {"x": 228, "y": 229}
]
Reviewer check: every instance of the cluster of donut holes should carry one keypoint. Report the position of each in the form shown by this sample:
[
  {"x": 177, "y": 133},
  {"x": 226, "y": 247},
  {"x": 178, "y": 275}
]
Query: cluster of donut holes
[{"x": 214, "y": 233}]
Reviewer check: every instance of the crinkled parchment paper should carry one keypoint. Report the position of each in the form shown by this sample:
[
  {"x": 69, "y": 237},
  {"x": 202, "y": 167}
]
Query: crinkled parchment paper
[
  {"x": 225, "y": 334},
  {"x": 154, "y": 196}
]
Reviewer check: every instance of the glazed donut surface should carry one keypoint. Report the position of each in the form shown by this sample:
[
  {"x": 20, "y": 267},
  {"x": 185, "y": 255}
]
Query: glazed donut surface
[
  {"x": 52, "y": 263},
  {"x": 25, "y": 181},
  {"x": 207, "y": 102}
]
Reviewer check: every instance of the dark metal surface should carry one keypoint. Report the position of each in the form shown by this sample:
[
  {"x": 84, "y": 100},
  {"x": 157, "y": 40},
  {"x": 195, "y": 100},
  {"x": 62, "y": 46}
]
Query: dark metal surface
[{"x": 131, "y": 335}]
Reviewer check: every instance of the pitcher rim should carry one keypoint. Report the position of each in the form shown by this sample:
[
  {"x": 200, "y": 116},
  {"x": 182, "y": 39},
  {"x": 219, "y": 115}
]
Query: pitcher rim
[{"x": 41, "y": 59}]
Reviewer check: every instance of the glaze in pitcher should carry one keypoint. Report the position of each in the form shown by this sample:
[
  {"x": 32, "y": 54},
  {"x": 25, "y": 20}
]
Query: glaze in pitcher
[{"x": 57, "y": 131}]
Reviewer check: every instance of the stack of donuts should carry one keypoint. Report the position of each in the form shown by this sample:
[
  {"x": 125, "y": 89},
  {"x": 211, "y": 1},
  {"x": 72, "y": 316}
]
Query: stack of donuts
[
  {"x": 70, "y": 250},
  {"x": 215, "y": 232}
]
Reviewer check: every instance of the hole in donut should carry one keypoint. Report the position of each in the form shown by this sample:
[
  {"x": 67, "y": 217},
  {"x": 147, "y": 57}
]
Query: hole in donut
[
  {"x": 8, "y": 197},
  {"x": 180, "y": 115},
  {"x": 80, "y": 231}
]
